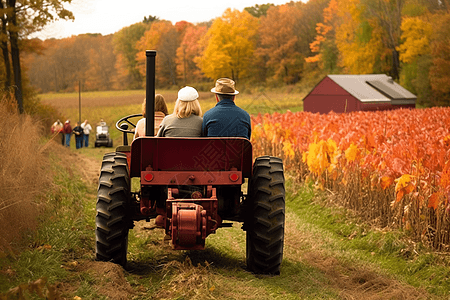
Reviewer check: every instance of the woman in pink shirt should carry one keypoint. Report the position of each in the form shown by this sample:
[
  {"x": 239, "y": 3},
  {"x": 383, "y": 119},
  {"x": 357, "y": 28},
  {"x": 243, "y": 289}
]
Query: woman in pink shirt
[{"x": 160, "y": 112}]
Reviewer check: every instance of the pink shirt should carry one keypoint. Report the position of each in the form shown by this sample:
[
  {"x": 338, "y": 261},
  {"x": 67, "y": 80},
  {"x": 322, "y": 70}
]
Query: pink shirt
[{"x": 140, "y": 126}]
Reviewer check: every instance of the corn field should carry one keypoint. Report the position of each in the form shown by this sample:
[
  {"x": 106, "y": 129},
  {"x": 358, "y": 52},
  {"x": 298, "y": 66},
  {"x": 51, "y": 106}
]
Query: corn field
[{"x": 391, "y": 167}]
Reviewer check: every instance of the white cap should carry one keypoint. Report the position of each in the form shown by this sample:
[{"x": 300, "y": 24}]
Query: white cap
[{"x": 187, "y": 94}]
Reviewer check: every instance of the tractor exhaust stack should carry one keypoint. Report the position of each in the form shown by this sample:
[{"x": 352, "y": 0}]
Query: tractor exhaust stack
[{"x": 150, "y": 93}]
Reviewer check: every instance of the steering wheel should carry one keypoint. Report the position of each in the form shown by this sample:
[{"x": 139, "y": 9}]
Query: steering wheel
[{"x": 121, "y": 125}]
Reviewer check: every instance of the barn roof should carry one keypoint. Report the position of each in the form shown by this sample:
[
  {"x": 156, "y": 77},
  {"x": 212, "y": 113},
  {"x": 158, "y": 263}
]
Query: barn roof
[{"x": 374, "y": 88}]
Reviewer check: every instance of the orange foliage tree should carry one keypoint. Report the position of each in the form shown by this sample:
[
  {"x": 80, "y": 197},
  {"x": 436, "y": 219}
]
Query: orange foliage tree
[
  {"x": 188, "y": 50},
  {"x": 162, "y": 37},
  {"x": 278, "y": 43},
  {"x": 324, "y": 43},
  {"x": 440, "y": 70},
  {"x": 101, "y": 73}
]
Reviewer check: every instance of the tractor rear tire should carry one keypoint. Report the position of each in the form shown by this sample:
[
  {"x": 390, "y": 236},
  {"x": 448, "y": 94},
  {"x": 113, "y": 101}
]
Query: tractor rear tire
[
  {"x": 112, "y": 219},
  {"x": 265, "y": 218}
]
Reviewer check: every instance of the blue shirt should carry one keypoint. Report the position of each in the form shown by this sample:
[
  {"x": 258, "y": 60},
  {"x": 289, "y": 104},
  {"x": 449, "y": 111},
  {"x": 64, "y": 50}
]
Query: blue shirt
[{"x": 226, "y": 119}]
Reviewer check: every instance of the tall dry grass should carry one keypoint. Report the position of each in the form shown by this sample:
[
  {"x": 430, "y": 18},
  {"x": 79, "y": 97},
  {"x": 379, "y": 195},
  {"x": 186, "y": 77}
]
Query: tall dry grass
[{"x": 24, "y": 172}]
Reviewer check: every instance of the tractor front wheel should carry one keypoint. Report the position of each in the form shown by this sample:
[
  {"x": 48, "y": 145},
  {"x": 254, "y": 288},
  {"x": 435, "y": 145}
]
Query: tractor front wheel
[
  {"x": 112, "y": 219},
  {"x": 265, "y": 217}
]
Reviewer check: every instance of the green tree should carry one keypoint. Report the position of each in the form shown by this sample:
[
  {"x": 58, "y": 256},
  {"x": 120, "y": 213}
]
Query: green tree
[
  {"x": 229, "y": 46},
  {"x": 386, "y": 16},
  {"x": 258, "y": 10},
  {"x": 20, "y": 19},
  {"x": 124, "y": 42},
  {"x": 150, "y": 19}
]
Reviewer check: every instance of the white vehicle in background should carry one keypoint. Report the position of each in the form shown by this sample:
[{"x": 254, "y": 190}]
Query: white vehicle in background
[{"x": 102, "y": 137}]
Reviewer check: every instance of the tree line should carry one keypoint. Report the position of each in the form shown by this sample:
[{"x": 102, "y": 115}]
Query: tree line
[
  {"x": 18, "y": 19},
  {"x": 266, "y": 45}
]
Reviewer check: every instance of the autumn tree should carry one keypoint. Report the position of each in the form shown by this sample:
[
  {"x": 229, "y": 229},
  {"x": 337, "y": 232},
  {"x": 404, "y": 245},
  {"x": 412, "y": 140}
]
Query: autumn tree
[
  {"x": 229, "y": 46},
  {"x": 188, "y": 50},
  {"x": 64, "y": 63},
  {"x": 100, "y": 72},
  {"x": 324, "y": 46},
  {"x": 20, "y": 19},
  {"x": 162, "y": 37},
  {"x": 279, "y": 43},
  {"x": 440, "y": 51},
  {"x": 359, "y": 40},
  {"x": 124, "y": 42},
  {"x": 421, "y": 24},
  {"x": 312, "y": 13},
  {"x": 415, "y": 55},
  {"x": 388, "y": 17}
]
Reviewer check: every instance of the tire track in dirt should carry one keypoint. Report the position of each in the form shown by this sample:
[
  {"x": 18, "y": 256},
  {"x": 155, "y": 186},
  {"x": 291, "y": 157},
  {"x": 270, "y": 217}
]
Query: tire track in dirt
[{"x": 110, "y": 278}]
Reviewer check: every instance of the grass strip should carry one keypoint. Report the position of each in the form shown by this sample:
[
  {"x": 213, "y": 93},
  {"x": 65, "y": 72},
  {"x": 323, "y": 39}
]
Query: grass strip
[
  {"x": 65, "y": 234},
  {"x": 351, "y": 240}
]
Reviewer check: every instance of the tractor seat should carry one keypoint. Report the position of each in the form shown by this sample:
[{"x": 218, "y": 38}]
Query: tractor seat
[{"x": 191, "y": 154}]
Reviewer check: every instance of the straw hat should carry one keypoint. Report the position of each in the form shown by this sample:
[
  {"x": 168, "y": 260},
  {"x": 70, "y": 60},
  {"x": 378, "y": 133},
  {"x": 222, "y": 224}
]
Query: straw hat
[
  {"x": 224, "y": 86},
  {"x": 187, "y": 94}
]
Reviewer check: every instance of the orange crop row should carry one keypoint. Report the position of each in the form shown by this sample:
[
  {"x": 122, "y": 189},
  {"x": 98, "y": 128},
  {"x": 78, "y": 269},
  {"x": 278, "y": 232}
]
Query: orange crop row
[{"x": 403, "y": 151}]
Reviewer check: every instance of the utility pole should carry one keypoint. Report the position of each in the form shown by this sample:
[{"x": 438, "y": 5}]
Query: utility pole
[{"x": 79, "y": 102}]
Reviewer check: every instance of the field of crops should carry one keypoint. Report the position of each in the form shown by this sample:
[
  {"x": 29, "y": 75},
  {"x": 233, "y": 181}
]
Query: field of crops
[{"x": 392, "y": 167}]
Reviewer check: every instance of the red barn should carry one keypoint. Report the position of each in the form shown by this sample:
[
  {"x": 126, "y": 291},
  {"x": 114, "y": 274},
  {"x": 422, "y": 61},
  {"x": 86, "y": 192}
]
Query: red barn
[{"x": 345, "y": 93}]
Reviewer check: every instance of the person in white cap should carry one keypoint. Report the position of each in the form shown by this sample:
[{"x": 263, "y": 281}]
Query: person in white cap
[
  {"x": 226, "y": 118},
  {"x": 186, "y": 120}
]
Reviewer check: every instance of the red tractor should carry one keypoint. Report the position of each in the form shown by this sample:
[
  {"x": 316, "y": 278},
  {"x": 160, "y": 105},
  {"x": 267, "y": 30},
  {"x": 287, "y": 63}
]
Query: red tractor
[{"x": 190, "y": 186}]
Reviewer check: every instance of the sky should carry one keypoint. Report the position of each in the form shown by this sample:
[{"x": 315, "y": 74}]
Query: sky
[{"x": 109, "y": 16}]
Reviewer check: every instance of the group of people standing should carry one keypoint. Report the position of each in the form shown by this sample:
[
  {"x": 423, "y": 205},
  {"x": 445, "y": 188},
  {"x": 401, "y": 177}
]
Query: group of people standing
[
  {"x": 81, "y": 132},
  {"x": 225, "y": 119}
]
